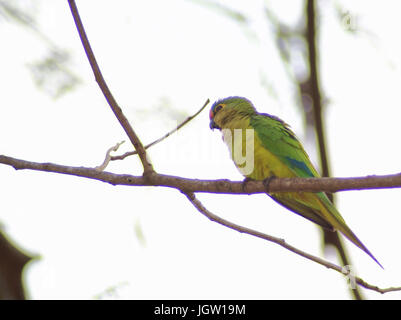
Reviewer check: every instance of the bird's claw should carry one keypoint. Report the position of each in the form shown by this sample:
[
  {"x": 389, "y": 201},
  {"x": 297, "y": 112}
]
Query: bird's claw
[
  {"x": 244, "y": 183},
  {"x": 267, "y": 181}
]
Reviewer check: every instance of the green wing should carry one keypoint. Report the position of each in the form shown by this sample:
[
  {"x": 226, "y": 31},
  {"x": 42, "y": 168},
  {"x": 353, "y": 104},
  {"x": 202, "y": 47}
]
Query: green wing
[{"x": 278, "y": 138}]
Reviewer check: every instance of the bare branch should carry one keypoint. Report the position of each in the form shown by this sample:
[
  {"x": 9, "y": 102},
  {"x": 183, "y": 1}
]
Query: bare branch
[
  {"x": 147, "y": 166},
  {"x": 281, "y": 242},
  {"x": 215, "y": 186},
  {"x": 188, "y": 186},
  {"x": 315, "y": 90},
  {"x": 366, "y": 285},
  {"x": 127, "y": 154},
  {"x": 108, "y": 156},
  {"x": 329, "y": 238}
]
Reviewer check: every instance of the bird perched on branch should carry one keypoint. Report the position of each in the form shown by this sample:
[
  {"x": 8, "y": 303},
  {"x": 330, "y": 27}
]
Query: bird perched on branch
[{"x": 263, "y": 147}]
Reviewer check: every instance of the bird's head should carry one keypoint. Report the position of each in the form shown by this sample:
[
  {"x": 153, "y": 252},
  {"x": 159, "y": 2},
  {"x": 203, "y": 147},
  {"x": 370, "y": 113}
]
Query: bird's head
[{"x": 228, "y": 109}]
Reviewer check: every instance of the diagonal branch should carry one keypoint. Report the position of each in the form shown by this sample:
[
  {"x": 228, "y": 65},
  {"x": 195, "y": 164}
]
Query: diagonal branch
[
  {"x": 281, "y": 242},
  {"x": 147, "y": 166}
]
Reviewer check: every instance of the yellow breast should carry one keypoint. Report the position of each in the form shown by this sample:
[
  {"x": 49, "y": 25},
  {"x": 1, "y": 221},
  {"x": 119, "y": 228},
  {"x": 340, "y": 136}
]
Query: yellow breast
[{"x": 251, "y": 158}]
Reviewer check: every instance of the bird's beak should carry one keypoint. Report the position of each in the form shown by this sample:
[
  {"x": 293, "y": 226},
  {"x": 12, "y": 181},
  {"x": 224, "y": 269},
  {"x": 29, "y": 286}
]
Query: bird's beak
[{"x": 213, "y": 125}]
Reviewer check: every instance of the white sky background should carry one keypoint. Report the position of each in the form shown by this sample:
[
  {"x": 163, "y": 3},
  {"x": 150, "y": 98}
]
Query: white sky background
[{"x": 176, "y": 53}]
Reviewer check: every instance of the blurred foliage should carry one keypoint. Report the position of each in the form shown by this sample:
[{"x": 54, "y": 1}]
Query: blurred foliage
[
  {"x": 16, "y": 11},
  {"x": 111, "y": 292},
  {"x": 51, "y": 73},
  {"x": 218, "y": 7},
  {"x": 165, "y": 109},
  {"x": 291, "y": 42},
  {"x": 139, "y": 233},
  {"x": 239, "y": 18}
]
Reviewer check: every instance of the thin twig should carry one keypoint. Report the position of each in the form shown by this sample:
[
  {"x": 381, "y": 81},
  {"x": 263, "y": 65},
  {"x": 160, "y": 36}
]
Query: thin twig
[
  {"x": 147, "y": 166},
  {"x": 281, "y": 242},
  {"x": 366, "y": 285},
  {"x": 222, "y": 186},
  {"x": 127, "y": 154},
  {"x": 108, "y": 156}
]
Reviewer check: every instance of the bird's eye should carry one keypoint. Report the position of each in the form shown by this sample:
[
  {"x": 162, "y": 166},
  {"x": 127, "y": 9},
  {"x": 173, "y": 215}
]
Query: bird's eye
[
  {"x": 214, "y": 110},
  {"x": 218, "y": 108}
]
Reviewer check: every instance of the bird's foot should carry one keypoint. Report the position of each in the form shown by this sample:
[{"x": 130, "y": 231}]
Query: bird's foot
[
  {"x": 244, "y": 183},
  {"x": 267, "y": 181}
]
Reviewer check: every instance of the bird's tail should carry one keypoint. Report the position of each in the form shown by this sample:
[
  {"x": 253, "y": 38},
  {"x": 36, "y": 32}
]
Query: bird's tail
[{"x": 332, "y": 215}]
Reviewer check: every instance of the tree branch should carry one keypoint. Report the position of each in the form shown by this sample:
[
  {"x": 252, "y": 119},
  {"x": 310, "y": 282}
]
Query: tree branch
[
  {"x": 147, "y": 166},
  {"x": 189, "y": 186},
  {"x": 215, "y": 186},
  {"x": 281, "y": 242},
  {"x": 315, "y": 91},
  {"x": 329, "y": 238}
]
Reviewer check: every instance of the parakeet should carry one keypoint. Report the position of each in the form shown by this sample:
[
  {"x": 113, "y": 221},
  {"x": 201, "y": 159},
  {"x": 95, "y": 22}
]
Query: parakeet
[{"x": 263, "y": 146}]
